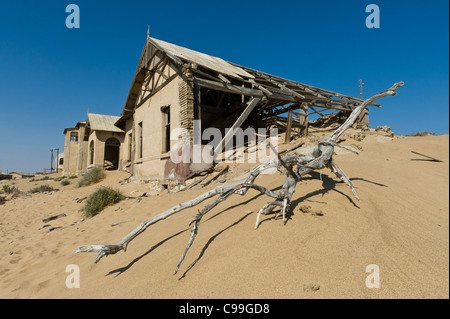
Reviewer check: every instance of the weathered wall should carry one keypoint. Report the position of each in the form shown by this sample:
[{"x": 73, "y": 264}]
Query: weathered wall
[
  {"x": 186, "y": 101},
  {"x": 82, "y": 151},
  {"x": 75, "y": 153},
  {"x": 70, "y": 154},
  {"x": 127, "y": 148},
  {"x": 180, "y": 98},
  {"x": 363, "y": 120},
  {"x": 99, "y": 138}
]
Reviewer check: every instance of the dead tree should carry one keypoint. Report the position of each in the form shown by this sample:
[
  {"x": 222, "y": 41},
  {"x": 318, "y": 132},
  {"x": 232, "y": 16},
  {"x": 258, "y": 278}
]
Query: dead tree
[{"x": 295, "y": 168}]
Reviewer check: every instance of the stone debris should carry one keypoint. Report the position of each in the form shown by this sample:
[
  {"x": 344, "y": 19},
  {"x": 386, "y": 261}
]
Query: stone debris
[
  {"x": 311, "y": 287},
  {"x": 306, "y": 209},
  {"x": 384, "y": 130}
]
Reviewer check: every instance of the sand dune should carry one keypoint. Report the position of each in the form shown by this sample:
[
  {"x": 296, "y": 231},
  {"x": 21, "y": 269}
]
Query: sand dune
[{"x": 401, "y": 225}]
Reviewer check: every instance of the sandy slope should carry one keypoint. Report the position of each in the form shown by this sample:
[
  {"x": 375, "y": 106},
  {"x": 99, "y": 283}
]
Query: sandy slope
[{"x": 401, "y": 224}]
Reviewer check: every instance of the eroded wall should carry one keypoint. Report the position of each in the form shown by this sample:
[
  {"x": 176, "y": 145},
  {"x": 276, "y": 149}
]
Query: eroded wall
[
  {"x": 96, "y": 159},
  {"x": 71, "y": 153},
  {"x": 177, "y": 96}
]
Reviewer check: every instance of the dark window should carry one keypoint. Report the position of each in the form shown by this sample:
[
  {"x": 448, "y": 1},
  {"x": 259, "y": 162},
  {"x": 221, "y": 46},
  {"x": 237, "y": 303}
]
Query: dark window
[
  {"x": 130, "y": 145},
  {"x": 141, "y": 142},
  {"x": 74, "y": 136},
  {"x": 91, "y": 153},
  {"x": 166, "y": 142}
]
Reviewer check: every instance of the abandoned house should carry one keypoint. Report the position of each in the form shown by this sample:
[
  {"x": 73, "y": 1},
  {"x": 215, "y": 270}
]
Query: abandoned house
[
  {"x": 92, "y": 143},
  {"x": 104, "y": 141},
  {"x": 172, "y": 87}
]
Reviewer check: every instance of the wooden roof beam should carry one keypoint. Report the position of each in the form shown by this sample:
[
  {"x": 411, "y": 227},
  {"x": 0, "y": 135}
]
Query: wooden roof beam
[
  {"x": 281, "y": 86},
  {"x": 230, "y": 88},
  {"x": 305, "y": 86}
]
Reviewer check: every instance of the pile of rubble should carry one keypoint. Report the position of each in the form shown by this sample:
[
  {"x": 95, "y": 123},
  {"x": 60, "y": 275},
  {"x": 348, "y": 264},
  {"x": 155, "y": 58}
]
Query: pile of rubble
[
  {"x": 385, "y": 131},
  {"x": 424, "y": 133},
  {"x": 360, "y": 135},
  {"x": 329, "y": 120}
]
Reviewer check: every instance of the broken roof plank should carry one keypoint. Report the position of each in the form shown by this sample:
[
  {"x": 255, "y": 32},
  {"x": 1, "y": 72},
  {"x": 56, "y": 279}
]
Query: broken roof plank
[
  {"x": 229, "y": 135},
  {"x": 230, "y": 88},
  {"x": 302, "y": 85},
  {"x": 283, "y": 87}
]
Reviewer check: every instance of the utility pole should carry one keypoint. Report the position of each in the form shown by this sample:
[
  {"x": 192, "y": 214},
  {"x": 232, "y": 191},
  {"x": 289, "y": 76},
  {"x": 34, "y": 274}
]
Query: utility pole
[
  {"x": 361, "y": 88},
  {"x": 57, "y": 160},
  {"x": 53, "y": 159}
]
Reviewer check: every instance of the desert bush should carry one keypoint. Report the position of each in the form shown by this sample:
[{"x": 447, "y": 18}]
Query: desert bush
[
  {"x": 65, "y": 182},
  {"x": 6, "y": 189},
  {"x": 73, "y": 176},
  {"x": 92, "y": 176},
  {"x": 58, "y": 179},
  {"x": 103, "y": 197},
  {"x": 35, "y": 179},
  {"x": 10, "y": 190},
  {"x": 42, "y": 189}
]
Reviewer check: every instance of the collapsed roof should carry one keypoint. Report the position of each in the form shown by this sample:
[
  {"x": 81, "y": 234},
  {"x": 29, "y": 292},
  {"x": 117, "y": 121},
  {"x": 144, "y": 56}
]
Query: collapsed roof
[{"x": 276, "y": 95}]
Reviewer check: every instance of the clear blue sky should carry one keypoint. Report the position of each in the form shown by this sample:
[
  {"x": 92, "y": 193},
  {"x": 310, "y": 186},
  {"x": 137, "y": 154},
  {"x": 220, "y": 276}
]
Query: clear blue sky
[{"x": 51, "y": 75}]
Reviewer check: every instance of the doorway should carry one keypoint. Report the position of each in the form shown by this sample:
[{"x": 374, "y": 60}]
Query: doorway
[{"x": 112, "y": 147}]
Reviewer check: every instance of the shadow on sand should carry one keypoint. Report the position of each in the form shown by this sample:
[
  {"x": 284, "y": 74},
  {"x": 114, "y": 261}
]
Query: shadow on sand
[{"x": 328, "y": 184}]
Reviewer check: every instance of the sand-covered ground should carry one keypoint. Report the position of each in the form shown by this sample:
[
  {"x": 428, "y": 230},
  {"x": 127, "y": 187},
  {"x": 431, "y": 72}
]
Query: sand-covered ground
[{"x": 401, "y": 224}]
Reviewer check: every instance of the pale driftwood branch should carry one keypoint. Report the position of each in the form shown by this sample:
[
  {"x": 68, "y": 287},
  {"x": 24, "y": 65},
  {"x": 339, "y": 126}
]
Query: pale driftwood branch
[
  {"x": 197, "y": 222},
  {"x": 267, "y": 208},
  {"x": 319, "y": 158},
  {"x": 341, "y": 146},
  {"x": 292, "y": 148},
  {"x": 358, "y": 110},
  {"x": 340, "y": 173},
  {"x": 191, "y": 240},
  {"x": 105, "y": 250}
]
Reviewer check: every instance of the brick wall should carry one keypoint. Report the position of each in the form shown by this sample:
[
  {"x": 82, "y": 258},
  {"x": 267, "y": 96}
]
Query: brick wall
[{"x": 186, "y": 96}]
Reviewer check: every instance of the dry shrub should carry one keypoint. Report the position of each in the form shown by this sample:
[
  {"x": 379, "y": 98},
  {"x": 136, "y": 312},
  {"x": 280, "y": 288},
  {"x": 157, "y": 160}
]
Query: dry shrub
[
  {"x": 92, "y": 176},
  {"x": 103, "y": 197}
]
